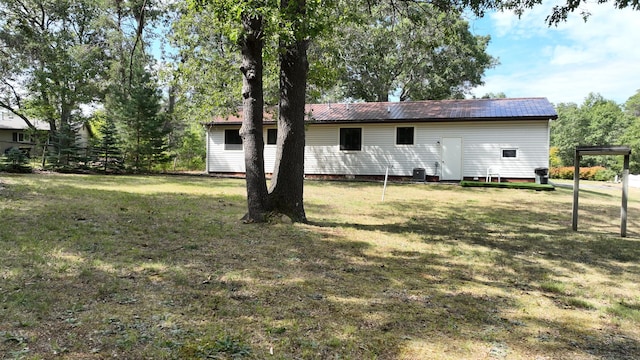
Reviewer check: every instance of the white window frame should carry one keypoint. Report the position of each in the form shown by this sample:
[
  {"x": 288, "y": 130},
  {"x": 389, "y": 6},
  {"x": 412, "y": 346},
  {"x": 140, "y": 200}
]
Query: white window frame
[{"x": 502, "y": 150}]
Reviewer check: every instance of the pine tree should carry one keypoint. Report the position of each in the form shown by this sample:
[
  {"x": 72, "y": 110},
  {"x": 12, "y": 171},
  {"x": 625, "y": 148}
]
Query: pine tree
[
  {"x": 135, "y": 105},
  {"x": 63, "y": 154},
  {"x": 107, "y": 149},
  {"x": 143, "y": 123}
]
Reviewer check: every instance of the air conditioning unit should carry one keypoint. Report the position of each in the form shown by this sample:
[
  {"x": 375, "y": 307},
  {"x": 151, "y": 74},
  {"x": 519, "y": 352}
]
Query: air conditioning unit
[{"x": 419, "y": 174}]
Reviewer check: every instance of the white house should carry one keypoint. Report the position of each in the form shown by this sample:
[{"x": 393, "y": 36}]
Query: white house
[
  {"x": 15, "y": 133},
  {"x": 446, "y": 140}
]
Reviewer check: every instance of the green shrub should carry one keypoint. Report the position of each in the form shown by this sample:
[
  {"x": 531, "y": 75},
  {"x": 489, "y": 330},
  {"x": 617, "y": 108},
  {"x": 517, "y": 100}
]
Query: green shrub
[
  {"x": 15, "y": 160},
  {"x": 597, "y": 173},
  {"x": 605, "y": 175}
]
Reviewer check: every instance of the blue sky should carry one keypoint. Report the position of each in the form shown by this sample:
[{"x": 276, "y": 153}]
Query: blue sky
[{"x": 567, "y": 62}]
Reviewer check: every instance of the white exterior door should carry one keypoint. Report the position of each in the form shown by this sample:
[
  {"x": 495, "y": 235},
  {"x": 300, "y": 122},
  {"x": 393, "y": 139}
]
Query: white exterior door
[{"x": 451, "y": 159}]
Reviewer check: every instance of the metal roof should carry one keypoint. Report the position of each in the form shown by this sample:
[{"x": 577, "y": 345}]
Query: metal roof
[
  {"x": 421, "y": 111},
  {"x": 10, "y": 121}
]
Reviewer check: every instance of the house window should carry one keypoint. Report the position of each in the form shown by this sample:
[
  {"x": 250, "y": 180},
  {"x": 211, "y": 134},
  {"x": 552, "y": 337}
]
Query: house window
[
  {"x": 509, "y": 153},
  {"x": 232, "y": 140},
  {"x": 404, "y": 136},
  {"x": 351, "y": 139},
  {"x": 272, "y": 136},
  {"x": 20, "y": 137}
]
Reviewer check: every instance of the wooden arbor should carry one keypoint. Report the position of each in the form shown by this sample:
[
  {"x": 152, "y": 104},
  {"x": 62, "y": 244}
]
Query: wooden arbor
[{"x": 603, "y": 150}]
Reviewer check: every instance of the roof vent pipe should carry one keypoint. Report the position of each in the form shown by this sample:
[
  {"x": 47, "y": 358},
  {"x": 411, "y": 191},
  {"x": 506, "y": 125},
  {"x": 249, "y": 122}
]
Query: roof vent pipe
[{"x": 388, "y": 109}]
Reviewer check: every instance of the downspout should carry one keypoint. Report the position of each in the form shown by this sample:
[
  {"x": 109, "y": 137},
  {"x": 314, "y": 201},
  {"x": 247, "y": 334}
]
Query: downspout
[
  {"x": 548, "y": 140},
  {"x": 206, "y": 132}
]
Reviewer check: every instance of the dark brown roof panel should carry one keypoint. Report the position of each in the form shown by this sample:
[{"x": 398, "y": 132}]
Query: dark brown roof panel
[{"x": 424, "y": 111}]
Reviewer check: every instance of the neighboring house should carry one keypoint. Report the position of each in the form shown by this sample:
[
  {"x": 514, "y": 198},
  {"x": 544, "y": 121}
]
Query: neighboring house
[
  {"x": 84, "y": 134},
  {"x": 447, "y": 140},
  {"x": 15, "y": 133}
]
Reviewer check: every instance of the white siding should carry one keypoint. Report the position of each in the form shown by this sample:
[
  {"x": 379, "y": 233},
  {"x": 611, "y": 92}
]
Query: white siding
[
  {"x": 269, "y": 154},
  {"x": 482, "y": 143},
  {"x": 323, "y": 154},
  {"x": 220, "y": 160}
]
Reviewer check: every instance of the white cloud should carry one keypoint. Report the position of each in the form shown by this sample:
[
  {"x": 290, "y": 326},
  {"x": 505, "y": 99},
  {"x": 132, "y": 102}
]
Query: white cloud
[
  {"x": 570, "y": 85},
  {"x": 566, "y": 62},
  {"x": 531, "y": 23},
  {"x": 565, "y": 55}
]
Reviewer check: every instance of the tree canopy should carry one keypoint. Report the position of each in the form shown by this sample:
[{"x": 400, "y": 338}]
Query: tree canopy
[
  {"x": 418, "y": 53},
  {"x": 62, "y": 58},
  {"x": 52, "y": 58},
  {"x": 597, "y": 121},
  {"x": 631, "y": 135},
  {"x": 632, "y": 106}
]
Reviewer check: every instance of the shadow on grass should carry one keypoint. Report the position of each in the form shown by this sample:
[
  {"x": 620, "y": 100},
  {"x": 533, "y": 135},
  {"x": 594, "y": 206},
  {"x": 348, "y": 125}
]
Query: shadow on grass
[
  {"x": 513, "y": 230},
  {"x": 103, "y": 273},
  {"x": 516, "y": 240},
  {"x": 170, "y": 275},
  {"x": 143, "y": 180}
]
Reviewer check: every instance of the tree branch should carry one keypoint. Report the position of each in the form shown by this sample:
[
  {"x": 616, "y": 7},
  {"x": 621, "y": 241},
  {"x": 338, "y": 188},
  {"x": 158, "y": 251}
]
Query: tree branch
[
  {"x": 140, "y": 20},
  {"x": 17, "y": 113}
]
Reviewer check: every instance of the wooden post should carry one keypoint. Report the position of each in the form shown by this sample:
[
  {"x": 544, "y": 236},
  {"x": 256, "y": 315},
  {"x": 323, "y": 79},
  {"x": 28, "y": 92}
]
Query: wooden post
[
  {"x": 576, "y": 189},
  {"x": 625, "y": 193},
  {"x": 603, "y": 150}
]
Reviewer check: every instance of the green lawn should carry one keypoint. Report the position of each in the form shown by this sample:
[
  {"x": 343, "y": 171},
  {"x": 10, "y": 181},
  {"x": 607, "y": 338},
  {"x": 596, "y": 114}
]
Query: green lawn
[{"x": 160, "y": 267}]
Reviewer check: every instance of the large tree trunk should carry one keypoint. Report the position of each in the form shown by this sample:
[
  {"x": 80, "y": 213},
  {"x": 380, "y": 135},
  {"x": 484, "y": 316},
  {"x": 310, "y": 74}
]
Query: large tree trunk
[
  {"x": 286, "y": 191},
  {"x": 251, "y": 130}
]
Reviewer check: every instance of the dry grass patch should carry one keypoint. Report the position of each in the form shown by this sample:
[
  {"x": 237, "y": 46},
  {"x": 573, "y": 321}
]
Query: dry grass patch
[{"x": 157, "y": 267}]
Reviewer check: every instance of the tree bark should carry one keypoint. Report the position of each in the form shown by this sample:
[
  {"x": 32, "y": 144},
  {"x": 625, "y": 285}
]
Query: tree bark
[
  {"x": 251, "y": 131},
  {"x": 286, "y": 191}
]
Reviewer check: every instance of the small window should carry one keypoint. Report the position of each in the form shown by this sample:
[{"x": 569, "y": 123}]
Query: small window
[
  {"x": 509, "y": 153},
  {"x": 272, "y": 136},
  {"x": 351, "y": 139},
  {"x": 404, "y": 136},
  {"x": 232, "y": 140}
]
